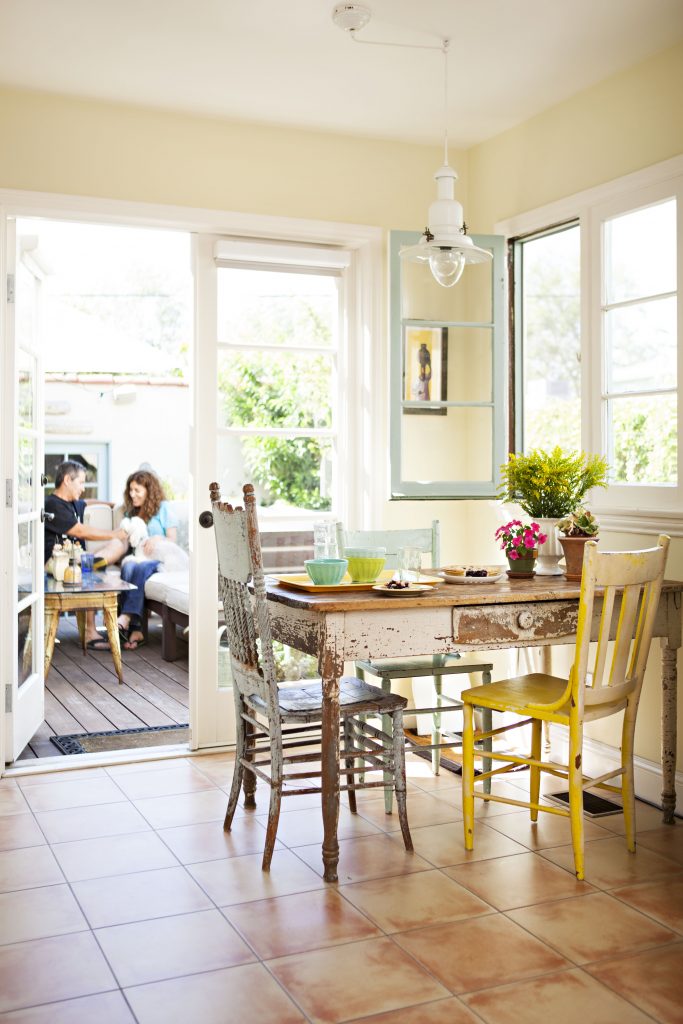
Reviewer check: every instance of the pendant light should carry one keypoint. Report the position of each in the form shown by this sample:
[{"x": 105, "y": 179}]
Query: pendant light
[{"x": 445, "y": 244}]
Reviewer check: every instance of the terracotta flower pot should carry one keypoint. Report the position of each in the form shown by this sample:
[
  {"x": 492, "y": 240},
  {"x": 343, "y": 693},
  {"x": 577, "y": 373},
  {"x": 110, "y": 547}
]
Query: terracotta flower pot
[{"x": 573, "y": 556}]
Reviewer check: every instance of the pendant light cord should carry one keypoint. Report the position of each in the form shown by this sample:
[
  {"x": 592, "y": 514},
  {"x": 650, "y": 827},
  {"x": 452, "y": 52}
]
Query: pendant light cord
[{"x": 444, "y": 47}]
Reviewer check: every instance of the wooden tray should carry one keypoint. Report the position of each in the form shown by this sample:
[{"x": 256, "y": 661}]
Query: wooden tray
[{"x": 302, "y": 581}]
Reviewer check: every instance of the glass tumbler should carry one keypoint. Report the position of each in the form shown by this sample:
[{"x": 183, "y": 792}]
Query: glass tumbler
[
  {"x": 325, "y": 539},
  {"x": 409, "y": 564}
]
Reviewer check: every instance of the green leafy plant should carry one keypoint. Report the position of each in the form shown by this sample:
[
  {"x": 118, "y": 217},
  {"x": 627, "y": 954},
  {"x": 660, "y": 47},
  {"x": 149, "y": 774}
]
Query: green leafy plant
[
  {"x": 551, "y": 484},
  {"x": 579, "y": 523}
]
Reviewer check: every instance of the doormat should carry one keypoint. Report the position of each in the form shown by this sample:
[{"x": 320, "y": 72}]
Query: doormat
[
  {"x": 593, "y": 806},
  {"x": 449, "y": 758},
  {"x": 121, "y": 739}
]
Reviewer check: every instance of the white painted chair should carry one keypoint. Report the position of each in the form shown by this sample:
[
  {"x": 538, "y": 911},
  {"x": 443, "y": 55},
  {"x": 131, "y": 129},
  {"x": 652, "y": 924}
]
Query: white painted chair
[{"x": 426, "y": 540}]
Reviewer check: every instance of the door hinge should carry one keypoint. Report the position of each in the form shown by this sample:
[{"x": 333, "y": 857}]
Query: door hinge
[
  {"x": 10, "y": 287},
  {"x": 8, "y": 494},
  {"x": 8, "y": 698}
]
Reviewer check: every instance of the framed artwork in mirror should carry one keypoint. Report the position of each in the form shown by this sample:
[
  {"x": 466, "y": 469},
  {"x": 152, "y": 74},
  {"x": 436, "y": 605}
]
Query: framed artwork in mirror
[{"x": 425, "y": 369}]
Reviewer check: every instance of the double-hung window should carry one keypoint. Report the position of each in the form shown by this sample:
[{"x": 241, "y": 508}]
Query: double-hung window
[{"x": 598, "y": 352}]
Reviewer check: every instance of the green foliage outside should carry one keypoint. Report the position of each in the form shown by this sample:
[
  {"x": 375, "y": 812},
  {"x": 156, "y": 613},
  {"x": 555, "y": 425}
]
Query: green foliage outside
[
  {"x": 551, "y": 484},
  {"x": 645, "y": 441},
  {"x": 286, "y": 390}
]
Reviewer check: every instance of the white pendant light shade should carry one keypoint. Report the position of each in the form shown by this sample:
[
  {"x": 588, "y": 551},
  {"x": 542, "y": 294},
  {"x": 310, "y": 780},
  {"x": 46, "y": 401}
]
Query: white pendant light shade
[{"x": 444, "y": 245}]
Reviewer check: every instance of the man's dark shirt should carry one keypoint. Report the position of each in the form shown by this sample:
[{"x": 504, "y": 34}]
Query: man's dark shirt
[{"x": 66, "y": 515}]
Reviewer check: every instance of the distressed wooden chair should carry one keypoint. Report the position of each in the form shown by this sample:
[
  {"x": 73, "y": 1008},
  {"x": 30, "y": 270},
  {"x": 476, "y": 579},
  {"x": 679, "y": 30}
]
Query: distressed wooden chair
[
  {"x": 632, "y": 583},
  {"x": 278, "y": 727}
]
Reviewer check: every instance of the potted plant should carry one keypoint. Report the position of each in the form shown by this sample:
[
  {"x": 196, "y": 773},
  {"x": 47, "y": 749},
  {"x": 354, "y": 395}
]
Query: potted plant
[
  {"x": 548, "y": 485},
  {"x": 520, "y": 542},
  {"x": 578, "y": 527}
]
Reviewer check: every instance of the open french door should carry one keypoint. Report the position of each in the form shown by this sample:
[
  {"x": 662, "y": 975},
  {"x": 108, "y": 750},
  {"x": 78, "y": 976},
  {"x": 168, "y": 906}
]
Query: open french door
[{"x": 21, "y": 652}]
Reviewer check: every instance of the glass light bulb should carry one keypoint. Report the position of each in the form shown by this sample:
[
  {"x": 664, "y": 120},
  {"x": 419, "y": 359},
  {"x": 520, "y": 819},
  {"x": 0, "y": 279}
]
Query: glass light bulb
[{"x": 447, "y": 266}]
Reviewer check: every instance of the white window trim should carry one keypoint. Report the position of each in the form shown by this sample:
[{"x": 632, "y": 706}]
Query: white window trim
[{"x": 650, "y": 510}]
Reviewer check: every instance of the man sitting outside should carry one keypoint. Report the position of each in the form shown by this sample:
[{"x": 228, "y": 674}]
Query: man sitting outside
[{"x": 67, "y": 508}]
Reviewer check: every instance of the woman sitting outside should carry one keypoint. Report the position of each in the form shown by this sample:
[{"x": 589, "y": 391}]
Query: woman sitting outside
[{"x": 143, "y": 497}]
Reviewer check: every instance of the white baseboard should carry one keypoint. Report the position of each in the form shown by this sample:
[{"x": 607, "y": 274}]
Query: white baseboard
[{"x": 599, "y": 758}]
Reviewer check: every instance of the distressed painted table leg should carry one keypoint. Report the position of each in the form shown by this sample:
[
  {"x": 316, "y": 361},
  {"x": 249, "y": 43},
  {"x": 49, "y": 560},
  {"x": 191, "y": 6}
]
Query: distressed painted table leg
[
  {"x": 669, "y": 675},
  {"x": 330, "y": 671},
  {"x": 109, "y": 609},
  {"x": 51, "y": 623}
]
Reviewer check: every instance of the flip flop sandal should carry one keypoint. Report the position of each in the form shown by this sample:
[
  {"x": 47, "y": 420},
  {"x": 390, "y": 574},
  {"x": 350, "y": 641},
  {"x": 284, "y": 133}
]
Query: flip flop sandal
[
  {"x": 123, "y": 634},
  {"x": 138, "y": 644},
  {"x": 98, "y": 645}
]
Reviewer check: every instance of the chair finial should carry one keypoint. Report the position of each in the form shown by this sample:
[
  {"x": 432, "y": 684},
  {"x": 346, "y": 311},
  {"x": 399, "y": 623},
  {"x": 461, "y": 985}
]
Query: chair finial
[{"x": 214, "y": 491}]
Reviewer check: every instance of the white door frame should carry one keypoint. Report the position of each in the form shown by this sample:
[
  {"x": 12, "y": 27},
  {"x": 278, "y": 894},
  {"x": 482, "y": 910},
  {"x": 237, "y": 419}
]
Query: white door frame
[{"x": 367, "y": 327}]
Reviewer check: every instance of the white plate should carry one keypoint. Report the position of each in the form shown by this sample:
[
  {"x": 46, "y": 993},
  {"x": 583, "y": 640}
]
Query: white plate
[
  {"x": 414, "y": 590},
  {"x": 475, "y": 579}
]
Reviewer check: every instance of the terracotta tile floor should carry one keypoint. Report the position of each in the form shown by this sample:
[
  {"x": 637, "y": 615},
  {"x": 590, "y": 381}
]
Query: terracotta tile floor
[{"x": 122, "y": 900}]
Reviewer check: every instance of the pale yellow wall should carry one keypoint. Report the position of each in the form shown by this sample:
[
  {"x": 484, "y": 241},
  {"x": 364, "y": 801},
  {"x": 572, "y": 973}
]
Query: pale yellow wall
[{"x": 80, "y": 147}]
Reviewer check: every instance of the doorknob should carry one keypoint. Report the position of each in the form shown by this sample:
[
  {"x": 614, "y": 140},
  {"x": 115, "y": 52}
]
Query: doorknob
[
  {"x": 206, "y": 519},
  {"x": 46, "y": 515},
  {"x": 43, "y": 480}
]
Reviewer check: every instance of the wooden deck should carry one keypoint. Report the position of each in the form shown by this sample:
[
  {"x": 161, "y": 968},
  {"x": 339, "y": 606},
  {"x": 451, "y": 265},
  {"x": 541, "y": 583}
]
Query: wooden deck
[{"x": 83, "y": 694}]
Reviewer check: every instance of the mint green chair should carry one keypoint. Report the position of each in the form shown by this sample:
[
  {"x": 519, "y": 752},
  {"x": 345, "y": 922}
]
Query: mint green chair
[{"x": 427, "y": 540}]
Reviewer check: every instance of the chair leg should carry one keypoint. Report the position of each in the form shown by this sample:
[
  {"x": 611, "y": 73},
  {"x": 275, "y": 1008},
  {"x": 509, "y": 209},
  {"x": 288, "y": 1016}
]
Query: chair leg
[
  {"x": 276, "y": 770},
  {"x": 399, "y": 776},
  {"x": 576, "y": 794},
  {"x": 535, "y": 773},
  {"x": 350, "y": 777},
  {"x": 388, "y": 728},
  {"x": 360, "y": 673},
  {"x": 627, "y": 786},
  {"x": 436, "y": 724},
  {"x": 239, "y": 767},
  {"x": 487, "y": 722},
  {"x": 468, "y": 774},
  {"x": 249, "y": 783}
]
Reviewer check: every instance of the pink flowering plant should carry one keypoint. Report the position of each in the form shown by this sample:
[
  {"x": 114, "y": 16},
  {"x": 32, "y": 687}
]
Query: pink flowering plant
[{"x": 518, "y": 539}]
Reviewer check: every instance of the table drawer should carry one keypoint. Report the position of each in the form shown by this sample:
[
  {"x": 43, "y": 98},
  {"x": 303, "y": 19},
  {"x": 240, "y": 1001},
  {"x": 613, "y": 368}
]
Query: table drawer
[{"x": 506, "y": 623}]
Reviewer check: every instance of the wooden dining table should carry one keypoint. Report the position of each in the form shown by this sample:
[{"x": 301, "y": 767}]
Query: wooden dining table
[{"x": 345, "y": 626}]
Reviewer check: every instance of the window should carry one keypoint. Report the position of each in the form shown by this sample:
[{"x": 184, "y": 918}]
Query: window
[
  {"x": 279, "y": 362},
  {"x": 613, "y": 269},
  {"x": 548, "y": 338},
  {"x": 448, "y": 364},
  {"x": 93, "y": 457}
]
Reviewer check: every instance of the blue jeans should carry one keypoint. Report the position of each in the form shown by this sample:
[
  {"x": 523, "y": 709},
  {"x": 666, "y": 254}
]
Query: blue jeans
[{"x": 133, "y": 601}]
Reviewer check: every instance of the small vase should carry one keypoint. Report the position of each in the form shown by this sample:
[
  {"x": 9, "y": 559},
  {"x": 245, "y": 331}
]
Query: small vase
[
  {"x": 523, "y": 567},
  {"x": 573, "y": 555},
  {"x": 550, "y": 553}
]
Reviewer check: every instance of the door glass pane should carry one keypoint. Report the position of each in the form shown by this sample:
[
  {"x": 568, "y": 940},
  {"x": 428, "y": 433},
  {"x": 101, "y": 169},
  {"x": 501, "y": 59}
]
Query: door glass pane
[
  {"x": 454, "y": 446},
  {"x": 274, "y": 389},
  {"x": 25, "y": 583},
  {"x": 641, "y": 346},
  {"x": 640, "y": 253},
  {"x": 25, "y": 389},
  {"x": 644, "y": 440},
  {"x": 288, "y": 473},
  {"x": 25, "y": 459},
  {"x": 423, "y": 299},
  {"x": 25, "y": 645},
  {"x": 470, "y": 364},
  {"x": 257, "y": 307},
  {"x": 549, "y": 334}
]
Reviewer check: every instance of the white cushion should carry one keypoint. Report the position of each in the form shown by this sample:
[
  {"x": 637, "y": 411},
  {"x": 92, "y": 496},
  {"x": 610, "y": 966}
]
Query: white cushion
[{"x": 158, "y": 585}]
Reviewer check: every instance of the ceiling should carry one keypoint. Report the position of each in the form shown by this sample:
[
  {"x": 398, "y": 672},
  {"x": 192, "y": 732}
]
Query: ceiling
[{"x": 284, "y": 61}]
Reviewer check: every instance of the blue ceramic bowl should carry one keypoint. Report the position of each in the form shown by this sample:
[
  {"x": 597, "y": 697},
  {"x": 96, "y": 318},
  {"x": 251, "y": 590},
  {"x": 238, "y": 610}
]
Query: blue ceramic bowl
[{"x": 326, "y": 572}]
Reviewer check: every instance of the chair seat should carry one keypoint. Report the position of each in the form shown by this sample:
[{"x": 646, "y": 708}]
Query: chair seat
[
  {"x": 526, "y": 695},
  {"x": 440, "y": 664},
  {"x": 302, "y": 703}
]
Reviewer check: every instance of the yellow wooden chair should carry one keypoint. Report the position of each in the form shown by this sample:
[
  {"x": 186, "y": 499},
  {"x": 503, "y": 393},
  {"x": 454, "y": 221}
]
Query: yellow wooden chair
[{"x": 632, "y": 582}]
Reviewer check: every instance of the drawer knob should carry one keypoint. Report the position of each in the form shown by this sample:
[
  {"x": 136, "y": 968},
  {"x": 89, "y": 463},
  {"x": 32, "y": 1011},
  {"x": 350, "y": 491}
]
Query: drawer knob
[{"x": 525, "y": 620}]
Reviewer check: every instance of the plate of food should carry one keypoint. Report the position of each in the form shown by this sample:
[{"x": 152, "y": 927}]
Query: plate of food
[
  {"x": 396, "y": 588},
  {"x": 465, "y": 574}
]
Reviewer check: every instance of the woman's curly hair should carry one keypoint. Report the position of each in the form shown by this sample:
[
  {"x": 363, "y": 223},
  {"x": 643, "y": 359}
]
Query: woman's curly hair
[{"x": 153, "y": 499}]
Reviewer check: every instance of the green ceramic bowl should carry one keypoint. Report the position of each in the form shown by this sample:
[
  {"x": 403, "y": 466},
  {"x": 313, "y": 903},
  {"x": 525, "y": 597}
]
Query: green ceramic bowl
[
  {"x": 365, "y": 564},
  {"x": 326, "y": 572}
]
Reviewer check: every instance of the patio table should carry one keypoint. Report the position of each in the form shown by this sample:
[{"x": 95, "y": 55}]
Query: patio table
[
  {"x": 97, "y": 591},
  {"x": 345, "y": 627}
]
